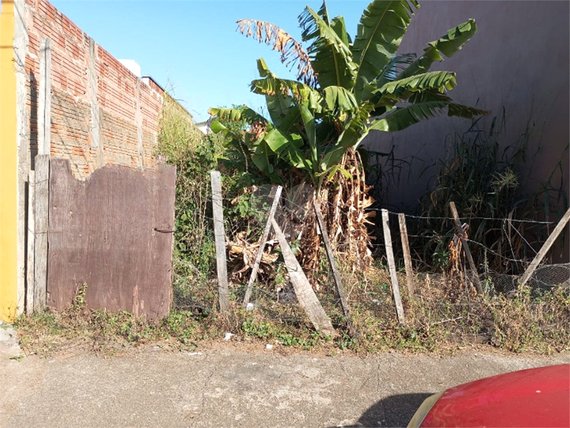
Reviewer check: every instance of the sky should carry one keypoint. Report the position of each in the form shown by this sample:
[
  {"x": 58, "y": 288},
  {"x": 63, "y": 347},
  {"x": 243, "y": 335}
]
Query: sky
[{"x": 192, "y": 47}]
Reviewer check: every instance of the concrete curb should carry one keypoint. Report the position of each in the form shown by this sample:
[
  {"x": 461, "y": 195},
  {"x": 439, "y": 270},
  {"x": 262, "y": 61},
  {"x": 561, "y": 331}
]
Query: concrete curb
[{"x": 9, "y": 343}]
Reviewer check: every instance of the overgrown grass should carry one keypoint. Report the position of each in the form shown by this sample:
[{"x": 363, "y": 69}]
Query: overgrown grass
[
  {"x": 490, "y": 180},
  {"x": 441, "y": 317},
  {"x": 520, "y": 322},
  {"x": 194, "y": 154},
  {"x": 182, "y": 144}
]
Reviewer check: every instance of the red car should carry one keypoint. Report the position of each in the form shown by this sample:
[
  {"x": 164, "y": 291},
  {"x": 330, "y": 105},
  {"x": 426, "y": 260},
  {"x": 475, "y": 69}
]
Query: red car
[{"x": 537, "y": 397}]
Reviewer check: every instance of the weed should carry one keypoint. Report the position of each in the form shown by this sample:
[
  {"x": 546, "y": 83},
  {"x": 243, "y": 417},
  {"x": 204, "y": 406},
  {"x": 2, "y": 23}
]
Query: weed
[
  {"x": 486, "y": 177},
  {"x": 79, "y": 298},
  {"x": 180, "y": 143},
  {"x": 524, "y": 321},
  {"x": 290, "y": 334}
]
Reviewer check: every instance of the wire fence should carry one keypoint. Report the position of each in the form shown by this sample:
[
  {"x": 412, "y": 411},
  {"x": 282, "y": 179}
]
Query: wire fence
[
  {"x": 439, "y": 307},
  {"x": 502, "y": 248}
]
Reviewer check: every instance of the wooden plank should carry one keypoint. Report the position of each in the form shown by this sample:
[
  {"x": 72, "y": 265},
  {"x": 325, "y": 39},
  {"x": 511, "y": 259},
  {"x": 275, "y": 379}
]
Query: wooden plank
[
  {"x": 220, "y": 238},
  {"x": 38, "y": 287},
  {"x": 545, "y": 247},
  {"x": 114, "y": 233},
  {"x": 392, "y": 266},
  {"x": 303, "y": 290},
  {"x": 163, "y": 200},
  {"x": 407, "y": 255},
  {"x": 475, "y": 274},
  {"x": 253, "y": 276},
  {"x": 332, "y": 263},
  {"x": 30, "y": 272},
  {"x": 41, "y": 213},
  {"x": 44, "y": 101}
]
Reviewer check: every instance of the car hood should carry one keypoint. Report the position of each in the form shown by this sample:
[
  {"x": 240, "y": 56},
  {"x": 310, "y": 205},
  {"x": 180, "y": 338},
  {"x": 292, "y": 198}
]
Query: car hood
[{"x": 528, "y": 398}]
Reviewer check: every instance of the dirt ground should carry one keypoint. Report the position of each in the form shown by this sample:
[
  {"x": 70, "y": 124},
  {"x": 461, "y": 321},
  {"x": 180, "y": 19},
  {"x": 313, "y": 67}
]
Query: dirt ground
[{"x": 232, "y": 385}]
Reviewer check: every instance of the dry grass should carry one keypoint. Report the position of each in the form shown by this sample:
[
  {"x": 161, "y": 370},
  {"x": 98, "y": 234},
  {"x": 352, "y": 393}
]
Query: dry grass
[{"x": 525, "y": 321}]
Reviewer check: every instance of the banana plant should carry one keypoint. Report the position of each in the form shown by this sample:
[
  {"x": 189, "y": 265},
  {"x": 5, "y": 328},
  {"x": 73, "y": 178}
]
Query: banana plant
[{"x": 344, "y": 89}]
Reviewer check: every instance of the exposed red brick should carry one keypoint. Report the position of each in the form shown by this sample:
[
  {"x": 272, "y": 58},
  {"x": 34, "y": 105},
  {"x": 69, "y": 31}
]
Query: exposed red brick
[{"x": 117, "y": 90}]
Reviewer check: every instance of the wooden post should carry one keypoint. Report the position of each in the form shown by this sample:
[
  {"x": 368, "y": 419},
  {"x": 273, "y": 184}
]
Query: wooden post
[
  {"x": 30, "y": 271},
  {"x": 253, "y": 276},
  {"x": 545, "y": 247},
  {"x": 38, "y": 249},
  {"x": 466, "y": 248},
  {"x": 41, "y": 214},
  {"x": 407, "y": 256},
  {"x": 332, "y": 263},
  {"x": 303, "y": 290},
  {"x": 392, "y": 266},
  {"x": 44, "y": 99},
  {"x": 220, "y": 238}
]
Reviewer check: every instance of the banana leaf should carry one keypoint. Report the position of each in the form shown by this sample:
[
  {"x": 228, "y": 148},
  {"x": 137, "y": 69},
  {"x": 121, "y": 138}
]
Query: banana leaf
[
  {"x": 403, "y": 117},
  {"x": 380, "y": 32},
  {"x": 452, "y": 42},
  {"x": 330, "y": 56}
]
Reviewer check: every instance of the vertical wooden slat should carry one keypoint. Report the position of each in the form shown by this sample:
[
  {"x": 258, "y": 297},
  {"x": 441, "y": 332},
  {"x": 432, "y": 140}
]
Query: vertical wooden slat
[
  {"x": 41, "y": 213},
  {"x": 30, "y": 271},
  {"x": 392, "y": 266},
  {"x": 220, "y": 238},
  {"x": 407, "y": 256},
  {"x": 36, "y": 293},
  {"x": 276, "y": 198},
  {"x": 475, "y": 275}
]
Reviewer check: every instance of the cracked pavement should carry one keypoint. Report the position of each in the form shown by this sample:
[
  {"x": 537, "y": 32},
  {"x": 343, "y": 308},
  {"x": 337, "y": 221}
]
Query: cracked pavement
[{"x": 229, "y": 387}]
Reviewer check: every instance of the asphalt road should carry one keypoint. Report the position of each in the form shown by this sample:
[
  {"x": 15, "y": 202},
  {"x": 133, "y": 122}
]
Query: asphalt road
[{"x": 227, "y": 387}]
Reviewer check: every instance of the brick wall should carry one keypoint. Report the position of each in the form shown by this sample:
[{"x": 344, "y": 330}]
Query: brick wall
[
  {"x": 101, "y": 113},
  {"x": 75, "y": 101}
]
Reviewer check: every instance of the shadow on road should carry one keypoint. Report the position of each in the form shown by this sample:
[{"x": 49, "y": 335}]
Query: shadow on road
[{"x": 393, "y": 411}]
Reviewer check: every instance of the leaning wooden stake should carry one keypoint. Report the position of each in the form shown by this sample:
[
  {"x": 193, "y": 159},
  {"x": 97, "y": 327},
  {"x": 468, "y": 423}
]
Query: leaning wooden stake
[
  {"x": 303, "y": 290},
  {"x": 466, "y": 248},
  {"x": 332, "y": 262},
  {"x": 392, "y": 266},
  {"x": 407, "y": 256},
  {"x": 220, "y": 238},
  {"x": 262, "y": 244},
  {"x": 545, "y": 247}
]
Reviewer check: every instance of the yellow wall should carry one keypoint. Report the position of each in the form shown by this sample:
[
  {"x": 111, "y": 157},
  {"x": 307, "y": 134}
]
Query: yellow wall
[{"x": 8, "y": 167}]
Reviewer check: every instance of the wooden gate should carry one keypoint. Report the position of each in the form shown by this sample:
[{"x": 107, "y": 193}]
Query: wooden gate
[{"x": 114, "y": 233}]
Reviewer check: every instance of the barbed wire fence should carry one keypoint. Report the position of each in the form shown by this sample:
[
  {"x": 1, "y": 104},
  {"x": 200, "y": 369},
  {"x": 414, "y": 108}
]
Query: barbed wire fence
[
  {"x": 508, "y": 256},
  {"x": 502, "y": 248}
]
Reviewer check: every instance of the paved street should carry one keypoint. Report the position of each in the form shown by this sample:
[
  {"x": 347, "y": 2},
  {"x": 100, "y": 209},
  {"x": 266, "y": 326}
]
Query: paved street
[{"x": 227, "y": 387}]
